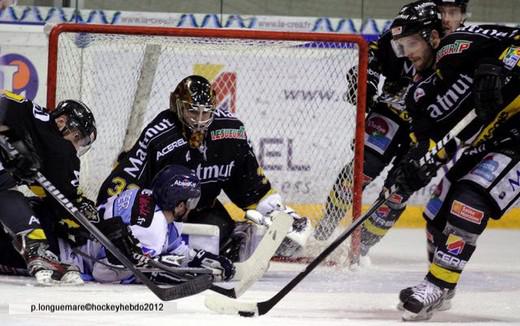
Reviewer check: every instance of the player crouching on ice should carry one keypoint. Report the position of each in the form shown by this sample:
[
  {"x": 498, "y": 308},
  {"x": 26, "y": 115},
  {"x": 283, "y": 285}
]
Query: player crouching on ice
[
  {"x": 143, "y": 224},
  {"x": 50, "y": 143}
]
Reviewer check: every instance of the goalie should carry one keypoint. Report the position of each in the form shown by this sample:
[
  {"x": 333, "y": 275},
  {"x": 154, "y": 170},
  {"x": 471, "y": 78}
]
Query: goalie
[{"x": 212, "y": 142}]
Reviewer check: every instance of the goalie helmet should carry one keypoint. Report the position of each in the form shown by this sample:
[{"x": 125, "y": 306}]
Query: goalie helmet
[
  {"x": 175, "y": 184},
  {"x": 419, "y": 17},
  {"x": 194, "y": 101},
  {"x": 80, "y": 119}
]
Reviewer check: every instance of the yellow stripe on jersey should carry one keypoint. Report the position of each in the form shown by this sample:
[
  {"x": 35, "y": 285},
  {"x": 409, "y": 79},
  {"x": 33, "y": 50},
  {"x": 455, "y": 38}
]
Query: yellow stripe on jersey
[
  {"x": 12, "y": 96},
  {"x": 510, "y": 110},
  {"x": 38, "y": 191},
  {"x": 36, "y": 234}
]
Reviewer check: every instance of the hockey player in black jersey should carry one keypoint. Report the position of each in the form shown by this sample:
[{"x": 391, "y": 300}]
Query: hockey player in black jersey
[
  {"x": 213, "y": 143},
  {"x": 49, "y": 142},
  {"x": 386, "y": 113},
  {"x": 474, "y": 67}
]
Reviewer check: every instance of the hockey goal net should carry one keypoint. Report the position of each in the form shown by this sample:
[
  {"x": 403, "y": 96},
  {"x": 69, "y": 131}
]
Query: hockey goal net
[{"x": 289, "y": 89}]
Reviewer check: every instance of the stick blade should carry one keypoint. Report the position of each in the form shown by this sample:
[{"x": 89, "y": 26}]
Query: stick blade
[
  {"x": 191, "y": 287},
  {"x": 225, "y": 305}
]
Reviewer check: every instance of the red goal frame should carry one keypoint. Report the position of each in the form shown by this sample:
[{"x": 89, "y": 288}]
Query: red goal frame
[{"x": 237, "y": 34}]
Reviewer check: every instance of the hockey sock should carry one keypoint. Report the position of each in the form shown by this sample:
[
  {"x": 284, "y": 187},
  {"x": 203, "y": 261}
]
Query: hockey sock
[
  {"x": 377, "y": 225},
  {"x": 453, "y": 251}
]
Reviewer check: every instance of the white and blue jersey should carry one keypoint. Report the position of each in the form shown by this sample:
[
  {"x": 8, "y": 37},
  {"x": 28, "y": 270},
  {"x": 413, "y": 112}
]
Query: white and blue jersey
[{"x": 149, "y": 226}]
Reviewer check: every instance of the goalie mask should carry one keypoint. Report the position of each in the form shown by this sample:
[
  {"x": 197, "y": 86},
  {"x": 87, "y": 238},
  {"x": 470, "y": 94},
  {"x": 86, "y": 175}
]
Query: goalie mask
[
  {"x": 175, "y": 184},
  {"x": 194, "y": 103},
  {"x": 80, "y": 122}
]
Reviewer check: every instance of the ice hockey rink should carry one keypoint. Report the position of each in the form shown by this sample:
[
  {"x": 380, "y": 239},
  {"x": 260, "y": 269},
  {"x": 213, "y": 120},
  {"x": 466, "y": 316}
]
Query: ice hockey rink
[{"x": 489, "y": 292}]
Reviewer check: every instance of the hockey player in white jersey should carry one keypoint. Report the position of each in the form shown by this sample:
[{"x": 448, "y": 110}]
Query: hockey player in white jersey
[{"x": 143, "y": 222}]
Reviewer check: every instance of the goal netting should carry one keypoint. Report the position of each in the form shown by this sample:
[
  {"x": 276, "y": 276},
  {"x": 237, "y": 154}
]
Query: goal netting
[{"x": 289, "y": 89}]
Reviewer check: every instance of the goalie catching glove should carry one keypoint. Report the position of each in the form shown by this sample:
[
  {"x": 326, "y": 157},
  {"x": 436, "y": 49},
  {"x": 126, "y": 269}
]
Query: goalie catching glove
[{"x": 301, "y": 228}]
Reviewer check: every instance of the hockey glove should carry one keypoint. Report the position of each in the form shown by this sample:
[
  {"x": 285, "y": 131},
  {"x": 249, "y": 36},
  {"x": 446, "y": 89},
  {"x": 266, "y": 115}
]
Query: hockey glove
[
  {"x": 88, "y": 208},
  {"x": 487, "y": 90},
  {"x": 223, "y": 269},
  {"x": 121, "y": 236},
  {"x": 23, "y": 165},
  {"x": 409, "y": 175}
]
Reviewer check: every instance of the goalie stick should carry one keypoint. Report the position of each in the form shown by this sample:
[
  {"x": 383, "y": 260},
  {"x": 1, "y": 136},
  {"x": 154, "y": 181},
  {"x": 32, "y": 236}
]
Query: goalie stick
[
  {"x": 249, "y": 271},
  {"x": 193, "y": 286},
  {"x": 248, "y": 309}
]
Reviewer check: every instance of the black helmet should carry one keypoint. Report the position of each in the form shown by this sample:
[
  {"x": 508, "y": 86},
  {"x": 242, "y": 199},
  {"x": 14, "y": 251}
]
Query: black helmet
[
  {"x": 194, "y": 94},
  {"x": 462, "y": 4},
  {"x": 79, "y": 118},
  {"x": 419, "y": 17}
]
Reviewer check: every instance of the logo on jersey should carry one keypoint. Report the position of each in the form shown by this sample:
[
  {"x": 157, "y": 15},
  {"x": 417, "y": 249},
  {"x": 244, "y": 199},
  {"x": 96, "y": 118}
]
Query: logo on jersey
[
  {"x": 511, "y": 57},
  {"x": 419, "y": 92},
  {"x": 455, "y": 244},
  {"x": 223, "y": 82},
  {"x": 486, "y": 168},
  {"x": 457, "y": 92},
  {"x": 19, "y": 75},
  {"x": 143, "y": 210},
  {"x": 170, "y": 147},
  {"x": 214, "y": 172},
  {"x": 466, "y": 212},
  {"x": 377, "y": 126},
  {"x": 228, "y": 133},
  {"x": 458, "y": 46},
  {"x": 139, "y": 156}
]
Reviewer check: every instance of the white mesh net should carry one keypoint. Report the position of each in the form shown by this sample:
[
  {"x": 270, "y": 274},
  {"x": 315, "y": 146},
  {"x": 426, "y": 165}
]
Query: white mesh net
[{"x": 292, "y": 96}]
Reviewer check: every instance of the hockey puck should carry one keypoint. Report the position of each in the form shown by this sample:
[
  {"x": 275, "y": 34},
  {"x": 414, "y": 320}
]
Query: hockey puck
[{"x": 246, "y": 313}]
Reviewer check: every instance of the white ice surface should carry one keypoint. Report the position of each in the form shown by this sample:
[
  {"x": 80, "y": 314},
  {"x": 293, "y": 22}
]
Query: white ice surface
[{"x": 488, "y": 294}]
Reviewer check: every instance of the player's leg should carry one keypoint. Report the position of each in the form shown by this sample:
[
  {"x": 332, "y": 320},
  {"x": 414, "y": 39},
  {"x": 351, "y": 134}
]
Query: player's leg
[
  {"x": 30, "y": 240},
  {"x": 377, "y": 225},
  {"x": 485, "y": 192},
  {"x": 385, "y": 134}
]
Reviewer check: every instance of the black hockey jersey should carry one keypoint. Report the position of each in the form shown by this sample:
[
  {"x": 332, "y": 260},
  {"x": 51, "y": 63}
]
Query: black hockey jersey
[
  {"x": 225, "y": 161},
  {"x": 60, "y": 163},
  {"x": 440, "y": 100}
]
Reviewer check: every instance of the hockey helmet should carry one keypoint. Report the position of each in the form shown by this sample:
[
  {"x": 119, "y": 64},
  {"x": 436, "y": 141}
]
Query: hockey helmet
[
  {"x": 419, "y": 17},
  {"x": 194, "y": 101},
  {"x": 79, "y": 118},
  {"x": 175, "y": 184}
]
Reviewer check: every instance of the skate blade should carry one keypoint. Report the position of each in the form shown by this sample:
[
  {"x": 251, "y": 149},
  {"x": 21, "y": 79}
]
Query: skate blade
[{"x": 420, "y": 316}]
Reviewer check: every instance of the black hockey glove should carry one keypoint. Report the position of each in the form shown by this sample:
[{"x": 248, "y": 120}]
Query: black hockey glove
[
  {"x": 223, "y": 268},
  {"x": 487, "y": 90},
  {"x": 409, "y": 175},
  {"x": 88, "y": 208},
  {"x": 23, "y": 165},
  {"x": 121, "y": 236}
]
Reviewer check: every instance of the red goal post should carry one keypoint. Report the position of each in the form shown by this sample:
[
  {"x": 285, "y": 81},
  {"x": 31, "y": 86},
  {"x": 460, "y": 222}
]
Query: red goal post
[{"x": 288, "y": 88}]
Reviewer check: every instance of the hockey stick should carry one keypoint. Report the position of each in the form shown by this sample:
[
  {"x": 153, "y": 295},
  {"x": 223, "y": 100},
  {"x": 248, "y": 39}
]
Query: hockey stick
[
  {"x": 249, "y": 309},
  {"x": 249, "y": 271},
  {"x": 198, "y": 284}
]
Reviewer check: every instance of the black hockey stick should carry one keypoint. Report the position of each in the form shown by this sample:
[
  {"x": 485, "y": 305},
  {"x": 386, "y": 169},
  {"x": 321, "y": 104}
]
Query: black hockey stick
[
  {"x": 193, "y": 286},
  {"x": 248, "y": 309}
]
